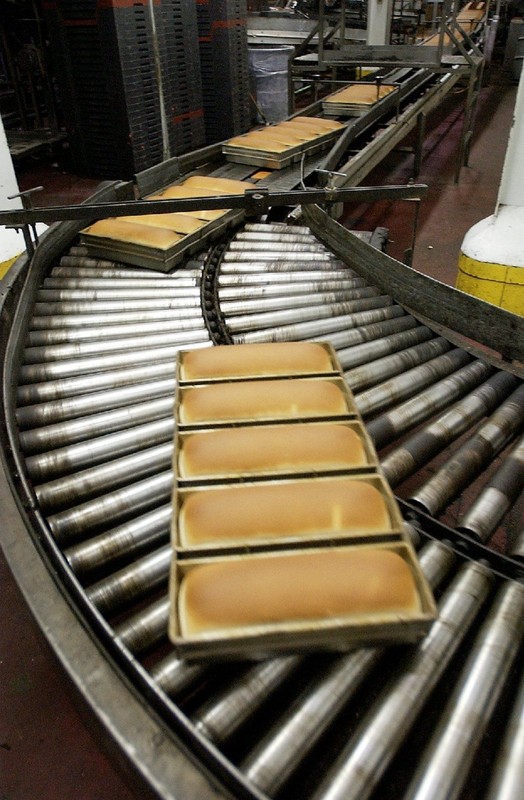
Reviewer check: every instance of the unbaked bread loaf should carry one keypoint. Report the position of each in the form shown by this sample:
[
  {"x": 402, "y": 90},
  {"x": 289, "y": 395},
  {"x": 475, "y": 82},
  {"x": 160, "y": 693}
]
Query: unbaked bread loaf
[
  {"x": 134, "y": 233},
  {"x": 308, "y": 587},
  {"x": 281, "y": 510},
  {"x": 271, "y": 449},
  {"x": 218, "y": 185},
  {"x": 315, "y": 124},
  {"x": 258, "y": 400},
  {"x": 253, "y": 360},
  {"x": 181, "y": 193}
]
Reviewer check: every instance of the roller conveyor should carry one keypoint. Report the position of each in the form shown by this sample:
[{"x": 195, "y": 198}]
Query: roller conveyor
[{"x": 93, "y": 435}]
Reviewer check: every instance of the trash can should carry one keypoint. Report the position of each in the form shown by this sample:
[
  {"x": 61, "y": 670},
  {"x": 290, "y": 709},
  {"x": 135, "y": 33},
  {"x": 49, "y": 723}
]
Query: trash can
[{"x": 269, "y": 78}]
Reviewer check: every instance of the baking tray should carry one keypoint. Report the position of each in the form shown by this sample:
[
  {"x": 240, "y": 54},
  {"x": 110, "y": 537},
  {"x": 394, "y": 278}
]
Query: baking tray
[
  {"x": 331, "y": 106},
  {"x": 265, "y": 385},
  {"x": 336, "y": 634},
  {"x": 278, "y": 160},
  {"x": 220, "y": 476},
  {"x": 155, "y": 258},
  {"x": 335, "y": 371},
  {"x": 307, "y": 539}
]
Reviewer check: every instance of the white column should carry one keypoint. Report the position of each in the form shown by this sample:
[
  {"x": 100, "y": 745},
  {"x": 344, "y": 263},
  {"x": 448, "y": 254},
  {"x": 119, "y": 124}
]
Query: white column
[
  {"x": 8, "y": 182},
  {"x": 511, "y": 190},
  {"x": 380, "y": 13}
]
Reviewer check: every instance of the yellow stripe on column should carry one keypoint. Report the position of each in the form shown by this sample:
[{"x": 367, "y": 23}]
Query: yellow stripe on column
[{"x": 498, "y": 284}]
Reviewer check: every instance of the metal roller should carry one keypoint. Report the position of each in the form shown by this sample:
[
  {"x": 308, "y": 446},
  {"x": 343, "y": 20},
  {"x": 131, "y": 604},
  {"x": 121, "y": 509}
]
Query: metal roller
[
  {"x": 79, "y": 260},
  {"x": 88, "y": 483},
  {"x": 227, "y": 712},
  {"x": 378, "y": 370},
  {"x": 283, "y": 249},
  {"x": 35, "y": 393},
  {"x": 319, "y": 328},
  {"x": 63, "y": 352},
  {"x": 362, "y": 762},
  {"x": 44, "y": 466},
  {"x": 176, "y": 677},
  {"x": 296, "y": 732},
  {"x": 251, "y": 255},
  {"x": 367, "y": 333},
  {"x": 255, "y": 321},
  {"x": 497, "y": 498},
  {"x": 59, "y": 282},
  {"x": 86, "y": 268},
  {"x": 444, "y": 766},
  {"x": 354, "y": 356},
  {"x": 127, "y": 540},
  {"x": 189, "y": 305},
  {"x": 116, "y": 320},
  {"x": 171, "y": 292},
  {"x": 60, "y": 434},
  {"x": 131, "y": 583},
  {"x": 267, "y": 304},
  {"x": 381, "y": 397},
  {"x": 238, "y": 293},
  {"x": 425, "y": 444},
  {"x": 489, "y": 440},
  {"x": 277, "y": 227},
  {"x": 386, "y": 428},
  {"x": 34, "y": 373},
  {"x": 101, "y": 331},
  {"x": 145, "y": 629},
  {"x": 258, "y": 266},
  {"x": 270, "y": 236},
  {"x": 111, "y": 508},
  {"x": 508, "y": 773},
  {"x": 72, "y": 407},
  {"x": 266, "y": 277}
]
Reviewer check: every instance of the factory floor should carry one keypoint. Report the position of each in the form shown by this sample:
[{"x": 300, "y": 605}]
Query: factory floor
[{"x": 46, "y": 750}]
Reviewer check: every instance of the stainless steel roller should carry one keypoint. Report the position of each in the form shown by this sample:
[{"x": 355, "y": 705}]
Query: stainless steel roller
[
  {"x": 125, "y": 541},
  {"x": 378, "y": 370},
  {"x": 271, "y": 236},
  {"x": 284, "y": 249},
  {"x": 420, "y": 448},
  {"x": 145, "y": 629},
  {"x": 352, "y": 357},
  {"x": 258, "y": 265},
  {"x": 102, "y": 330},
  {"x": 111, "y": 508},
  {"x": 175, "y": 677},
  {"x": 318, "y": 329},
  {"x": 242, "y": 292},
  {"x": 387, "y": 427},
  {"x": 508, "y": 774},
  {"x": 368, "y": 333},
  {"x": 33, "y": 373},
  {"x": 44, "y": 466},
  {"x": 408, "y": 383},
  {"x": 119, "y": 284},
  {"x": 275, "y": 318},
  {"x": 170, "y": 291},
  {"x": 268, "y": 278},
  {"x": 59, "y": 434},
  {"x": 62, "y": 320},
  {"x": 53, "y": 411},
  {"x": 489, "y": 440},
  {"x": 189, "y": 304},
  {"x": 362, "y": 762},
  {"x": 85, "y": 349},
  {"x": 131, "y": 583},
  {"x": 266, "y": 304},
  {"x": 251, "y": 255},
  {"x": 443, "y": 769},
  {"x": 90, "y": 482},
  {"x": 497, "y": 498}
]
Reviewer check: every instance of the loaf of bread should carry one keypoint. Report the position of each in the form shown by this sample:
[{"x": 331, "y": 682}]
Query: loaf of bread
[
  {"x": 281, "y": 510},
  {"x": 258, "y": 400},
  {"x": 134, "y": 233},
  {"x": 217, "y": 185},
  {"x": 179, "y": 223},
  {"x": 360, "y": 94},
  {"x": 310, "y": 587},
  {"x": 254, "y": 360},
  {"x": 270, "y": 449},
  {"x": 260, "y": 141},
  {"x": 181, "y": 193},
  {"x": 316, "y": 125}
]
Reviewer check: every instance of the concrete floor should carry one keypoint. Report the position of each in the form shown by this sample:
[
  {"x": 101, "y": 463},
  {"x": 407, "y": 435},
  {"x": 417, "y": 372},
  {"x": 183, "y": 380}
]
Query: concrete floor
[{"x": 46, "y": 751}]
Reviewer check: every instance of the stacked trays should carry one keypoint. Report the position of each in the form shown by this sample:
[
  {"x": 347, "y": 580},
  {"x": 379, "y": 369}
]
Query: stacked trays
[
  {"x": 354, "y": 100},
  {"x": 286, "y": 536},
  {"x": 222, "y": 36},
  {"x": 278, "y": 146},
  {"x": 118, "y": 68},
  {"x": 161, "y": 241}
]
